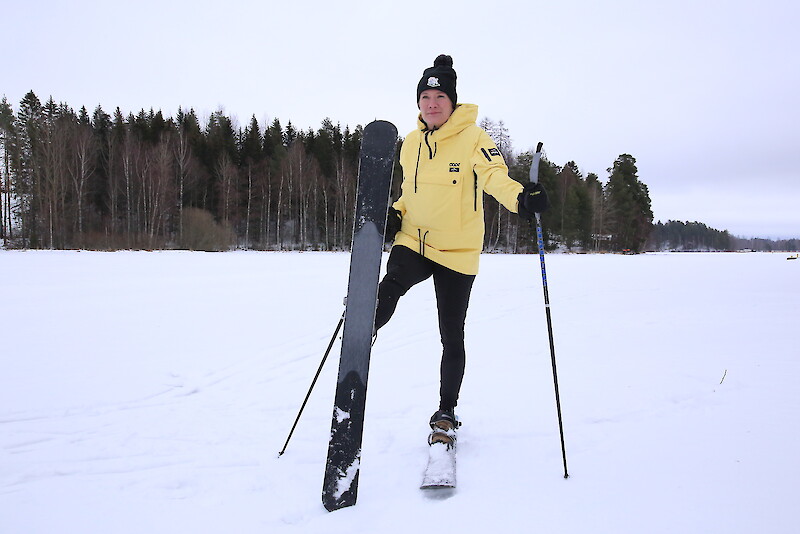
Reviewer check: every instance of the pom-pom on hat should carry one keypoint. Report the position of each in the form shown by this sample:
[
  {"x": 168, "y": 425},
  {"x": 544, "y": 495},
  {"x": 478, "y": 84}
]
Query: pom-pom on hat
[{"x": 441, "y": 76}]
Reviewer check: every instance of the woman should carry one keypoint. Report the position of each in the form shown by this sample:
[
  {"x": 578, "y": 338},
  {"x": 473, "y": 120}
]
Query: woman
[{"x": 437, "y": 223}]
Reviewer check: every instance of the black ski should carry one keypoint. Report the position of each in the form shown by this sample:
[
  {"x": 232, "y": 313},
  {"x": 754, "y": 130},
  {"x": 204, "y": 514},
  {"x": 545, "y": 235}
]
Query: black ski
[{"x": 340, "y": 488}]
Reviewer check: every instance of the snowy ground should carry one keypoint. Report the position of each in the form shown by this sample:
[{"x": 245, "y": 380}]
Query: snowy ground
[{"x": 150, "y": 393}]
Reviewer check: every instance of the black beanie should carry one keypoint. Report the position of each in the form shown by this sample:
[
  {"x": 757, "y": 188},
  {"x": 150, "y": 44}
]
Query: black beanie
[{"x": 441, "y": 76}]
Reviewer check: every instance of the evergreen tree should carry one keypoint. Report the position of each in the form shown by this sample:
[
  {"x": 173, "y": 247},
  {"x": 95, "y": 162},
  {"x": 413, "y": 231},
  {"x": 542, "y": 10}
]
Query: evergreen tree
[
  {"x": 568, "y": 180},
  {"x": 99, "y": 189},
  {"x": 188, "y": 170},
  {"x": 551, "y": 219},
  {"x": 520, "y": 170},
  {"x": 83, "y": 152},
  {"x": 289, "y": 135},
  {"x": 630, "y": 215},
  {"x": 218, "y": 155},
  {"x": 30, "y": 133},
  {"x": 273, "y": 140},
  {"x": 582, "y": 210},
  {"x": 252, "y": 156},
  {"x": 251, "y": 151},
  {"x": 192, "y": 175}
]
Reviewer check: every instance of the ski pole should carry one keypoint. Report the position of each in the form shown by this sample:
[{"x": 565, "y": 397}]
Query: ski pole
[
  {"x": 313, "y": 382},
  {"x": 534, "y": 177}
]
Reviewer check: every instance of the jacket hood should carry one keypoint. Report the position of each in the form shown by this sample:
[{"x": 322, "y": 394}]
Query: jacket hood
[{"x": 463, "y": 116}]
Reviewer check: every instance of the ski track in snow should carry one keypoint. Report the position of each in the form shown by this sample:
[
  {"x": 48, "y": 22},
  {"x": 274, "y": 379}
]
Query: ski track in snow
[{"x": 151, "y": 392}]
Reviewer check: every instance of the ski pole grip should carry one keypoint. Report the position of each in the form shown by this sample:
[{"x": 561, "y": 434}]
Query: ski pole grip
[{"x": 534, "y": 172}]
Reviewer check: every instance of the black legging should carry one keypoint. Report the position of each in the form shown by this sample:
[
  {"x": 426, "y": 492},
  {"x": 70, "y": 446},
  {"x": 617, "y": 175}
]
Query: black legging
[{"x": 405, "y": 269}]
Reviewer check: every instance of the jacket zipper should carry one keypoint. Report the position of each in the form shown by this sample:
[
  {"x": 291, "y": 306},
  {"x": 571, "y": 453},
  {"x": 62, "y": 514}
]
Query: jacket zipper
[
  {"x": 416, "y": 171},
  {"x": 431, "y": 155},
  {"x": 475, "y": 174},
  {"x": 431, "y": 151}
]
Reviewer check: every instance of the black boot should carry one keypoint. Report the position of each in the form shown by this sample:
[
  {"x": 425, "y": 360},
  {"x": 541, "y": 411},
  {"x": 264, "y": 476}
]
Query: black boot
[{"x": 444, "y": 420}]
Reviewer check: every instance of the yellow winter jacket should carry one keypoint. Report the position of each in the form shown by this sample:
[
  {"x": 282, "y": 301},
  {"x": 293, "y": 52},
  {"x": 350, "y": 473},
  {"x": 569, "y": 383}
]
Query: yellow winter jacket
[{"x": 445, "y": 173}]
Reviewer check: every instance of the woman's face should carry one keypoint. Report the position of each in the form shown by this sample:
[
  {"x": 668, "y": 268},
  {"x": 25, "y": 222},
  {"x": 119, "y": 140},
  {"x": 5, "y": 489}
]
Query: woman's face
[{"x": 435, "y": 107}]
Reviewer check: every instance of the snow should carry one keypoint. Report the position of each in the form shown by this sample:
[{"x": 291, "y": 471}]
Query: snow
[
  {"x": 346, "y": 480},
  {"x": 151, "y": 392},
  {"x": 441, "y": 469}
]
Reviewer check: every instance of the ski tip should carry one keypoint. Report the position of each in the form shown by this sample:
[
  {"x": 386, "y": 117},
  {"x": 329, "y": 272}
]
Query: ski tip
[
  {"x": 381, "y": 124},
  {"x": 381, "y": 121},
  {"x": 539, "y": 146}
]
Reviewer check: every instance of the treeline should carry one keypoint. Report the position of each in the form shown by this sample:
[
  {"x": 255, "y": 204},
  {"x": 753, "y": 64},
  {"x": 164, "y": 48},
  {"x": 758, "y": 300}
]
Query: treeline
[
  {"x": 688, "y": 236},
  {"x": 697, "y": 237},
  {"x": 109, "y": 181},
  {"x": 766, "y": 245},
  {"x": 145, "y": 181}
]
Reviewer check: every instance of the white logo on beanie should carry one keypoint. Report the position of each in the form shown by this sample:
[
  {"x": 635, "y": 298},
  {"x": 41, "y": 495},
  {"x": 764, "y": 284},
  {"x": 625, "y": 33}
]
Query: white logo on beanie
[{"x": 433, "y": 81}]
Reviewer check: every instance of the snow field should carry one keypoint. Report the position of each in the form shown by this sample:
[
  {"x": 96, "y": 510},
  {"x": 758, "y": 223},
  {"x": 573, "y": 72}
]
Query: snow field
[{"x": 151, "y": 392}]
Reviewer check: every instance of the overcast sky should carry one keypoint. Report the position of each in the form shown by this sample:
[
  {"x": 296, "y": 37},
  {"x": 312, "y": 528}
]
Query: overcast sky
[{"x": 703, "y": 93}]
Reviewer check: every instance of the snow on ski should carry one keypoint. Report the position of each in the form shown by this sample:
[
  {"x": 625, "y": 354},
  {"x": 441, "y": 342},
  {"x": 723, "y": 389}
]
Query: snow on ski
[{"x": 441, "y": 470}]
